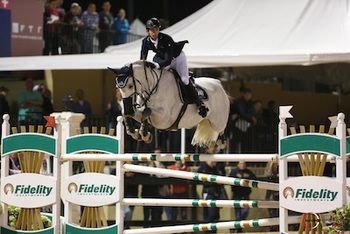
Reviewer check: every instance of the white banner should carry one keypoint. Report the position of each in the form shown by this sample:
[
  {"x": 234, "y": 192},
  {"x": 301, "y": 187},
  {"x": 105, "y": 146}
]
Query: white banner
[
  {"x": 311, "y": 194},
  {"x": 28, "y": 190},
  {"x": 92, "y": 189}
]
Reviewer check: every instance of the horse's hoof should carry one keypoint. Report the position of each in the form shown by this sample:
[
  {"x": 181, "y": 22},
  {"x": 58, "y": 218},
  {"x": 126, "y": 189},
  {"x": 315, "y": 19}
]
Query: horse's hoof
[
  {"x": 149, "y": 138},
  {"x": 135, "y": 135},
  {"x": 222, "y": 144}
]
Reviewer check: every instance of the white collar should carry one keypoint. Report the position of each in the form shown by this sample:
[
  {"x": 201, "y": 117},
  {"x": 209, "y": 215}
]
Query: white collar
[{"x": 155, "y": 42}]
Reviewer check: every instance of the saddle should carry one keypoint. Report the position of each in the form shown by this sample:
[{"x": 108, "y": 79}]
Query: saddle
[{"x": 181, "y": 87}]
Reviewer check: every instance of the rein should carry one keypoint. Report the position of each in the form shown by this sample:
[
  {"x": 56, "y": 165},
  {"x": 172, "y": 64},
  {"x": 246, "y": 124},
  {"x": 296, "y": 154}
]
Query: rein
[{"x": 152, "y": 91}]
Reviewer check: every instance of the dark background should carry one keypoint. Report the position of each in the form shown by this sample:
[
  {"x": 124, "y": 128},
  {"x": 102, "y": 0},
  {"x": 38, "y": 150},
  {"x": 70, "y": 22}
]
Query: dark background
[{"x": 169, "y": 10}]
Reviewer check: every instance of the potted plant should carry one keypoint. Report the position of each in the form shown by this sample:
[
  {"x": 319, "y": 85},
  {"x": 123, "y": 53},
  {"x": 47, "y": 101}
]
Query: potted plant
[{"x": 339, "y": 221}]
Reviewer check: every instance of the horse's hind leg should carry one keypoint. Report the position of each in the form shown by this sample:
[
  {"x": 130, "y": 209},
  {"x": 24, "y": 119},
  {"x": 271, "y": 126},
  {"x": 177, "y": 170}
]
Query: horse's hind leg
[{"x": 221, "y": 142}]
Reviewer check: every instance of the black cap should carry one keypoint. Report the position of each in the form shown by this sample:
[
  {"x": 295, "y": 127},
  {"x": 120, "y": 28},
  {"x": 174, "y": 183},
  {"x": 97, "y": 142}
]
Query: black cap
[
  {"x": 153, "y": 23},
  {"x": 247, "y": 90},
  {"x": 3, "y": 88}
]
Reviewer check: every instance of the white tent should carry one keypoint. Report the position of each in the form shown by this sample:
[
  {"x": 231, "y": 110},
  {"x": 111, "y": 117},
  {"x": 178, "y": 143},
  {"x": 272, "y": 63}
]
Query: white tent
[
  {"x": 235, "y": 33},
  {"x": 138, "y": 28}
]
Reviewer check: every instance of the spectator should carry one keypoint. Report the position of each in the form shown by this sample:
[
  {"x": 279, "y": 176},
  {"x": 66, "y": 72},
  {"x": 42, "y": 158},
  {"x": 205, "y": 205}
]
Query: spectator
[
  {"x": 61, "y": 10},
  {"x": 14, "y": 165},
  {"x": 211, "y": 191},
  {"x": 152, "y": 213},
  {"x": 271, "y": 120},
  {"x": 87, "y": 32},
  {"x": 4, "y": 105},
  {"x": 239, "y": 192},
  {"x": 47, "y": 106},
  {"x": 164, "y": 189},
  {"x": 70, "y": 44},
  {"x": 105, "y": 24},
  {"x": 130, "y": 191},
  {"x": 114, "y": 109},
  {"x": 273, "y": 195},
  {"x": 244, "y": 109},
  {"x": 179, "y": 191},
  {"x": 257, "y": 132},
  {"x": 51, "y": 28},
  {"x": 121, "y": 28},
  {"x": 82, "y": 106},
  {"x": 30, "y": 105}
]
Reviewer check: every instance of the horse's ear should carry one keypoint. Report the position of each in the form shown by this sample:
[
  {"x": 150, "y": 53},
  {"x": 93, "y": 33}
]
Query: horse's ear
[{"x": 116, "y": 71}]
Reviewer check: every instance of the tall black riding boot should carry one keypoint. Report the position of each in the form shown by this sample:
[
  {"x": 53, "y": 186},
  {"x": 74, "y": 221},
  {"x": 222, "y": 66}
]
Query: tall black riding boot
[{"x": 193, "y": 93}]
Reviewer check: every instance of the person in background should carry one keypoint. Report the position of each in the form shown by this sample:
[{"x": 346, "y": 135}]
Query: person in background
[
  {"x": 51, "y": 20},
  {"x": 164, "y": 190},
  {"x": 4, "y": 105},
  {"x": 239, "y": 192},
  {"x": 14, "y": 165},
  {"x": 121, "y": 28},
  {"x": 179, "y": 191},
  {"x": 131, "y": 190},
  {"x": 30, "y": 105},
  {"x": 211, "y": 191},
  {"x": 244, "y": 118},
  {"x": 90, "y": 19},
  {"x": 70, "y": 44},
  {"x": 105, "y": 25},
  {"x": 61, "y": 10},
  {"x": 273, "y": 195},
  {"x": 114, "y": 109},
  {"x": 46, "y": 95},
  {"x": 82, "y": 106},
  {"x": 152, "y": 213},
  {"x": 270, "y": 116}
]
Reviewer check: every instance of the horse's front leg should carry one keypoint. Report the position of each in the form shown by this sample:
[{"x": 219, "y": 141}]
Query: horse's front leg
[
  {"x": 130, "y": 129},
  {"x": 146, "y": 136}
]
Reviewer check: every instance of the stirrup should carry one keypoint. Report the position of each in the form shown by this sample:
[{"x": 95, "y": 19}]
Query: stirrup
[{"x": 203, "y": 110}]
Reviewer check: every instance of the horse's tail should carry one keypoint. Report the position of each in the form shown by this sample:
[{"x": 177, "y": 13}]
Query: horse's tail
[{"x": 204, "y": 135}]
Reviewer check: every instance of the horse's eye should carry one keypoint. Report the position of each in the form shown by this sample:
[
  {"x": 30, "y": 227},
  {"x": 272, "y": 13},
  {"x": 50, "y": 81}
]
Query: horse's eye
[{"x": 130, "y": 86}]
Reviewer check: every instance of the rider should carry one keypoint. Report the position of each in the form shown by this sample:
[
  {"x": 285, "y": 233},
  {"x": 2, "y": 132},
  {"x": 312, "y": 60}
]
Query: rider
[{"x": 169, "y": 54}]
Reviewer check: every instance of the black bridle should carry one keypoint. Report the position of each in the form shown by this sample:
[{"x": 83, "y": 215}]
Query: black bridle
[{"x": 151, "y": 91}]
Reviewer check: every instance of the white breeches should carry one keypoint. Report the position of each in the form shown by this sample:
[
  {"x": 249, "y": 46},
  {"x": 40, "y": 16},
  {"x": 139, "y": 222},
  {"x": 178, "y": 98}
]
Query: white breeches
[{"x": 180, "y": 65}]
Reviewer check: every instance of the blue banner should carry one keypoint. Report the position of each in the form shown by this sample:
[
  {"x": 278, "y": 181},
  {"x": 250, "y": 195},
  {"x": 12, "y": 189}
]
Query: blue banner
[{"x": 5, "y": 31}]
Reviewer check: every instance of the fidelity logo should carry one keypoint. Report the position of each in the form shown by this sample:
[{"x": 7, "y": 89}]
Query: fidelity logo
[
  {"x": 91, "y": 189},
  {"x": 27, "y": 190},
  {"x": 309, "y": 194}
]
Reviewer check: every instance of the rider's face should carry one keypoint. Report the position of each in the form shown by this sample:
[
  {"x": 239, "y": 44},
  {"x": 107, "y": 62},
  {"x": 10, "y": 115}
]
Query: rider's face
[{"x": 153, "y": 33}]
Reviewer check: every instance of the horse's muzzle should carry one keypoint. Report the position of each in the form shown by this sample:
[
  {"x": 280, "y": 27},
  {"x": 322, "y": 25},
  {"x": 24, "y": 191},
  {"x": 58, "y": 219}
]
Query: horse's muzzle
[{"x": 128, "y": 107}]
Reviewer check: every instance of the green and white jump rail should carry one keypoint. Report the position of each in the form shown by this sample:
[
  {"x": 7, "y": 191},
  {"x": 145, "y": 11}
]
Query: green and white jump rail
[{"x": 202, "y": 177}]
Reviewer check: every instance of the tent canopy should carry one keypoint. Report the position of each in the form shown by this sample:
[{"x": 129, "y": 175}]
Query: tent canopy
[{"x": 234, "y": 33}]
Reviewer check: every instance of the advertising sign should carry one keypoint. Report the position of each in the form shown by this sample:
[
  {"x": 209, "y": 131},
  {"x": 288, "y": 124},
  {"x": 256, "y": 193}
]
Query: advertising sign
[
  {"x": 5, "y": 29},
  {"x": 92, "y": 189},
  {"x": 27, "y": 27},
  {"x": 311, "y": 194},
  {"x": 28, "y": 190}
]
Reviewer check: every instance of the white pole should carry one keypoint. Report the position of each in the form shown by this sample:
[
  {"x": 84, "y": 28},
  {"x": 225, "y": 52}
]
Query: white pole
[
  {"x": 212, "y": 226},
  {"x": 199, "y": 203},
  {"x": 202, "y": 177},
  {"x": 183, "y": 140},
  {"x": 283, "y": 163}
]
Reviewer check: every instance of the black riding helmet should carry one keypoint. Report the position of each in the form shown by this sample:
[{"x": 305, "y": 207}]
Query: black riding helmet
[{"x": 152, "y": 23}]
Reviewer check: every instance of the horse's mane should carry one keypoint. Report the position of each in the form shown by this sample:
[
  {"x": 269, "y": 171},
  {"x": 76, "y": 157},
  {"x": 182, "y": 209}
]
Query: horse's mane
[{"x": 139, "y": 62}]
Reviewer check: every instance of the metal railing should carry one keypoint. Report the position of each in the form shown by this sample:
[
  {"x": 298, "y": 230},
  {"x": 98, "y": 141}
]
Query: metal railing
[{"x": 70, "y": 39}]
